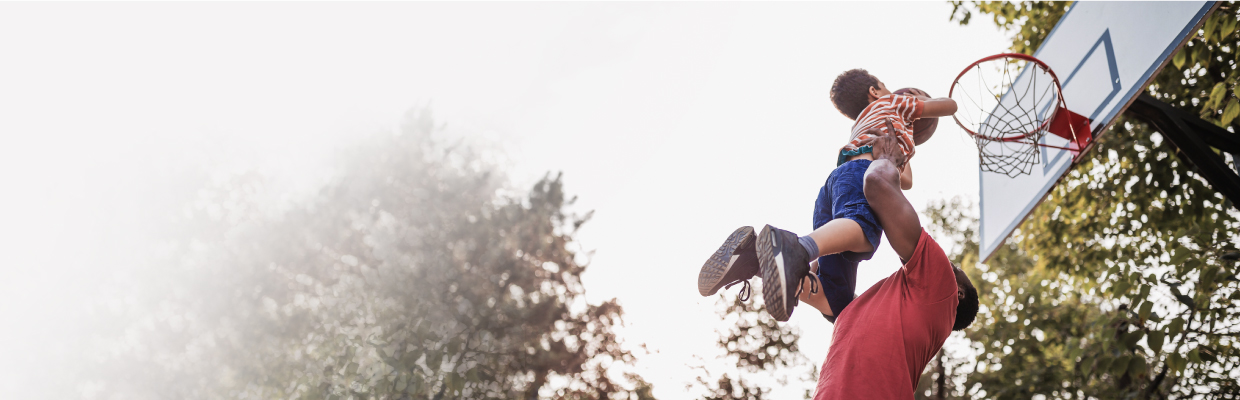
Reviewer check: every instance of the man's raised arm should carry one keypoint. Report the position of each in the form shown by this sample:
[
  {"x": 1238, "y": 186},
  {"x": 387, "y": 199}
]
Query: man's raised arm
[{"x": 882, "y": 191}]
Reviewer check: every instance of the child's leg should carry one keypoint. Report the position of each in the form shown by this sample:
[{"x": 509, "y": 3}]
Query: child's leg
[
  {"x": 836, "y": 279},
  {"x": 784, "y": 258},
  {"x": 817, "y": 298},
  {"x": 840, "y": 235},
  {"x": 841, "y": 240}
]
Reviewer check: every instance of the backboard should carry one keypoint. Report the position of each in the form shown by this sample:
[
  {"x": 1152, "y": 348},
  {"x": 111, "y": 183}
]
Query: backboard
[{"x": 1105, "y": 54}]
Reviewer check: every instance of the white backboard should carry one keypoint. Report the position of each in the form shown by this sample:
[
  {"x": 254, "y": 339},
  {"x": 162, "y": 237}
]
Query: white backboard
[{"x": 1105, "y": 54}]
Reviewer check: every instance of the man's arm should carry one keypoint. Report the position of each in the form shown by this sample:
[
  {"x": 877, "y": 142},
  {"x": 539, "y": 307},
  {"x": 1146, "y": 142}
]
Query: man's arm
[{"x": 882, "y": 190}]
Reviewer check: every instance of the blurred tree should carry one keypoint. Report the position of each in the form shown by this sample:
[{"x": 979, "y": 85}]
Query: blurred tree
[
  {"x": 762, "y": 350},
  {"x": 410, "y": 275},
  {"x": 1027, "y": 337},
  {"x": 1121, "y": 284}
]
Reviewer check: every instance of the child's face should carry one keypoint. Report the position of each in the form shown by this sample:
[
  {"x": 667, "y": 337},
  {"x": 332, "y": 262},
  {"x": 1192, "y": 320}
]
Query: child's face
[{"x": 878, "y": 91}]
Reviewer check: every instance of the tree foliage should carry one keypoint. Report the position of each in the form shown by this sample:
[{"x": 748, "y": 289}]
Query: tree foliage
[
  {"x": 410, "y": 275},
  {"x": 1121, "y": 284},
  {"x": 761, "y": 348}
]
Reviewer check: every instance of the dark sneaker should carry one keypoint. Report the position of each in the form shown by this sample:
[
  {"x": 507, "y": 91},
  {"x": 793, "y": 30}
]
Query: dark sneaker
[
  {"x": 734, "y": 262},
  {"x": 784, "y": 262}
]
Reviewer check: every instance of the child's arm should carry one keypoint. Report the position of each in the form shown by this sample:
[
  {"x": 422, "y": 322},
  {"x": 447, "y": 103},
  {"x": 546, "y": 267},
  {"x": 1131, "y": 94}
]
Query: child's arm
[
  {"x": 940, "y": 107},
  {"x": 906, "y": 176},
  {"x": 934, "y": 108}
]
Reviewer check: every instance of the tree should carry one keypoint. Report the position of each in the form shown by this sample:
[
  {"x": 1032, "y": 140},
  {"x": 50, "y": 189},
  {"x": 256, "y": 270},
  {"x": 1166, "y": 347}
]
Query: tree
[
  {"x": 410, "y": 275},
  {"x": 1121, "y": 283},
  {"x": 760, "y": 347},
  {"x": 1028, "y": 333}
]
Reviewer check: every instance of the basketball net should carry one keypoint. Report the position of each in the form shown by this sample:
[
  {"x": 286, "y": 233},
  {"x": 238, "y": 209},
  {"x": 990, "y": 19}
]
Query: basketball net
[{"x": 1007, "y": 103}]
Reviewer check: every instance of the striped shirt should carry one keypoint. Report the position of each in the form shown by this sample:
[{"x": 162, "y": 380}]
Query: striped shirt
[{"x": 899, "y": 110}]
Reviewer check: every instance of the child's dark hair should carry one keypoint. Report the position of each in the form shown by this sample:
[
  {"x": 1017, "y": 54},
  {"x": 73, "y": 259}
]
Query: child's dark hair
[{"x": 851, "y": 90}]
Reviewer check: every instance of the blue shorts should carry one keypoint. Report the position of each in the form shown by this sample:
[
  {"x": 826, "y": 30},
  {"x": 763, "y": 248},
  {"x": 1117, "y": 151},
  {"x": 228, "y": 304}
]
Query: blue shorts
[{"x": 843, "y": 197}]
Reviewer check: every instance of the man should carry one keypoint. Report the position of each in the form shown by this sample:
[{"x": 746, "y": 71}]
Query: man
[{"x": 887, "y": 335}]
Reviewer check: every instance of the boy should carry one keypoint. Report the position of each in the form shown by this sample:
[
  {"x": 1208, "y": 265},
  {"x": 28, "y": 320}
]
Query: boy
[{"x": 845, "y": 229}]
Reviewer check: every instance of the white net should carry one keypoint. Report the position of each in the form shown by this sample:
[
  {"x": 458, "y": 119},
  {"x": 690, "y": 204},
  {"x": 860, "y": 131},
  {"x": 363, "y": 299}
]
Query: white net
[{"x": 1007, "y": 104}]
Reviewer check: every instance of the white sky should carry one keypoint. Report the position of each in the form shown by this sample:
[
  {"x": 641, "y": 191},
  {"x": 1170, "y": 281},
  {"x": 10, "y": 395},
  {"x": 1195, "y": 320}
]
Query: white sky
[{"x": 676, "y": 123}]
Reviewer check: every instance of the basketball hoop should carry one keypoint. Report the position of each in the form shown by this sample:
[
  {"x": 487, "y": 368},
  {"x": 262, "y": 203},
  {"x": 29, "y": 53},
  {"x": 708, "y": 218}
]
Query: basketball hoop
[{"x": 1007, "y": 103}]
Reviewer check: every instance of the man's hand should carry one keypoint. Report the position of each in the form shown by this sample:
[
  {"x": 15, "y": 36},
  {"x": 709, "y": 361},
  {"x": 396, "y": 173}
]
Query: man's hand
[
  {"x": 886, "y": 147},
  {"x": 919, "y": 94}
]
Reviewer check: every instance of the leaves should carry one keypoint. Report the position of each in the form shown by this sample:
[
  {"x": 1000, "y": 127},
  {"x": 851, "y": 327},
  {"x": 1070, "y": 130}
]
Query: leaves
[
  {"x": 1155, "y": 340},
  {"x": 1176, "y": 326},
  {"x": 1176, "y": 362},
  {"x": 1130, "y": 339},
  {"x": 1121, "y": 288},
  {"x": 1120, "y": 366},
  {"x": 1227, "y": 26},
  {"x": 1210, "y": 26},
  {"x": 1137, "y": 366},
  {"x": 1216, "y": 96},
  {"x": 1144, "y": 311},
  {"x": 1130, "y": 229},
  {"x": 758, "y": 345},
  {"x": 1179, "y": 255},
  {"x": 408, "y": 275},
  {"x": 1230, "y": 112}
]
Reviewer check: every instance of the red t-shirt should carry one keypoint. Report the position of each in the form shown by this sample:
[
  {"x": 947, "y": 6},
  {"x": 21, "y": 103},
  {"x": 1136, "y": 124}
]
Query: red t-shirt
[{"x": 885, "y": 338}]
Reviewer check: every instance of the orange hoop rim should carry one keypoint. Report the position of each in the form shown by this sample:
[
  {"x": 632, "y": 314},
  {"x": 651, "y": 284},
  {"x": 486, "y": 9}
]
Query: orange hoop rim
[{"x": 1060, "y": 104}]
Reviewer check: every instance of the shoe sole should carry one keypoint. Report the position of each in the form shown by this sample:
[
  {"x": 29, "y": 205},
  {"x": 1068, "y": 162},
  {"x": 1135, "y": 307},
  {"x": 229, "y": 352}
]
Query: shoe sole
[
  {"x": 774, "y": 278},
  {"x": 710, "y": 279}
]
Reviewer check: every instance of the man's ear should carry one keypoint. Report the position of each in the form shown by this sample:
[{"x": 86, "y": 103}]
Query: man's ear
[
  {"x": 873, "y": 93},
  {"x": 959, "y": 293}
]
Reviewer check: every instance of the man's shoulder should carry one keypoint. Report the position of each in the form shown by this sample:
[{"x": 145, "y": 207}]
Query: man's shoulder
[
  {"x": 929, "y": 269},
  {"x": 929, "y": 249}
]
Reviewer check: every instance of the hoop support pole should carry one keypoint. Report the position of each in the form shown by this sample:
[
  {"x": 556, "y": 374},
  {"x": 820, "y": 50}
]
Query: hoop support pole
[{"x": 1195, "y": 141}]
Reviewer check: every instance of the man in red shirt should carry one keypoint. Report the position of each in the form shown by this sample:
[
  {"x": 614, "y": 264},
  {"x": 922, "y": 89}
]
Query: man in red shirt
[{"x": 887, "y": 335}]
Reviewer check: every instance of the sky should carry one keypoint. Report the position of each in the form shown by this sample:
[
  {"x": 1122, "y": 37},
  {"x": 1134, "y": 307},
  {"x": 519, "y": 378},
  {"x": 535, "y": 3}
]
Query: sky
[{"x": 674, "y": 122}]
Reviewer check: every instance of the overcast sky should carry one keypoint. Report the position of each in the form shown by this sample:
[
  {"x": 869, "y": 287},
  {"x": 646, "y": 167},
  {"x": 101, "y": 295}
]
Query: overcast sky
[{"x": 676, "y": 123}]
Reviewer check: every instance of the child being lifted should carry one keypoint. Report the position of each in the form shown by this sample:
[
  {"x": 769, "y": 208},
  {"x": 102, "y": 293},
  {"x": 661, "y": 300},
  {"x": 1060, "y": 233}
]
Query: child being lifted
[{"x": 845, "y": 229}]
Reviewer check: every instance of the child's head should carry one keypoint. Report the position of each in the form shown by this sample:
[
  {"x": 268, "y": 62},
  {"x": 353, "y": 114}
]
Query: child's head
[{"x": 853, "y": 91}]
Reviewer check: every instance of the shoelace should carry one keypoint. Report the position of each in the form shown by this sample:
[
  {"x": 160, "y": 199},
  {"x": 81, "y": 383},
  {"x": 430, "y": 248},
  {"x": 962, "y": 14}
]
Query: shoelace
[
  {"x": 813, "y": 286},
  {"x": 746, "y": 290}
]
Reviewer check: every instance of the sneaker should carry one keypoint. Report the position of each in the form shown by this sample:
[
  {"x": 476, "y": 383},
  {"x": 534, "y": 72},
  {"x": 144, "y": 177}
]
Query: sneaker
[
  {"x": 784, "y": 262},
  {"x": 734, "y": 262}
]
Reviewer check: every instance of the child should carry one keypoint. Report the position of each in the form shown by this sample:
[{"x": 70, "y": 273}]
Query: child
[{"x": 845, "y": 229}]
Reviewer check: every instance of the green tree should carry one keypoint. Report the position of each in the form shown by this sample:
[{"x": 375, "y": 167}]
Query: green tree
[
  {"x": 1121, "y": 283},
  {"x": 410, "y": 275},
  {"x": 762, "y": 350}
]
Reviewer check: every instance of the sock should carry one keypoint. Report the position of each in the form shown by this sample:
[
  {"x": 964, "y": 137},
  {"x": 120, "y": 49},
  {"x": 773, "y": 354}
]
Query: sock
[{"x": 809, "y": 245}]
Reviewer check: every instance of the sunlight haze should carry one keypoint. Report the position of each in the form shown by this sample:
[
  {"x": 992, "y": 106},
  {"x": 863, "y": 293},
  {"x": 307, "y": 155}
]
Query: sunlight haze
[{"x": 674, "y": 122}]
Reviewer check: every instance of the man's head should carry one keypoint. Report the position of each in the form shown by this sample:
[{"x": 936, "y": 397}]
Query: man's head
[
  {"x": 966, "y": 311},
  {"x": 854, "y": 90}
]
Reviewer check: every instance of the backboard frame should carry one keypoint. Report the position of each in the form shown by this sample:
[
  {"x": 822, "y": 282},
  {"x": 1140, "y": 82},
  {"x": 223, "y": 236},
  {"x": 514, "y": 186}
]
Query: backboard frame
[{"x": 1104, "y": 43}]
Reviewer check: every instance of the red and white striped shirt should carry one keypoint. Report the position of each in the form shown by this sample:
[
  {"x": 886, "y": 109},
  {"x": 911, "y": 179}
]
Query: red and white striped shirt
[{"x": 899, "y": 110}]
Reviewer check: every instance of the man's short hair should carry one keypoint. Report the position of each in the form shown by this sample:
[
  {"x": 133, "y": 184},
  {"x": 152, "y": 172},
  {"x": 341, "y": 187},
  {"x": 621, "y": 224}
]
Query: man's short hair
[
  {"x": 966, "y": 311},
  {"x": 851, "y": 91}
]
